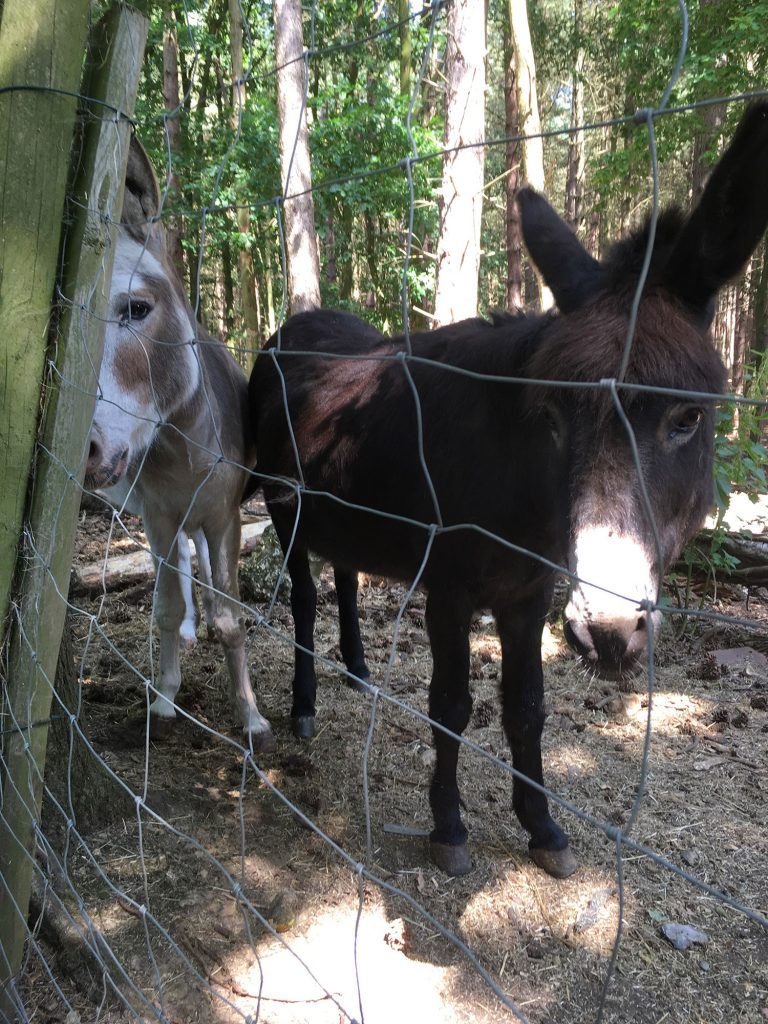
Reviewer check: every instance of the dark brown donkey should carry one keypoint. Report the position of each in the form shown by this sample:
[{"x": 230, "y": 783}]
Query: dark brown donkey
[
  {"x": 170, "y": 440},
  {"x": 432, "y": 461}
]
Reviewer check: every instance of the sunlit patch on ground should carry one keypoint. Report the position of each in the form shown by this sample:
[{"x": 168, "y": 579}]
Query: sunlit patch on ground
[{"x": 393, "y": 985}]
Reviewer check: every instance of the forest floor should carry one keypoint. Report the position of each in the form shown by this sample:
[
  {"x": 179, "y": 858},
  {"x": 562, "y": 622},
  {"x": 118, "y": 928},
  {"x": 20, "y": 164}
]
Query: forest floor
[{"x": 545, "y": 943}]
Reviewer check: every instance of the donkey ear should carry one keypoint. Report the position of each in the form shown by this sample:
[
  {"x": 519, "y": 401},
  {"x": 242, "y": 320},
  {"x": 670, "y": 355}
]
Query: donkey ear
[
  {"x": 566, "y": 266},
  {"x": 141, "y": 202},
  {"x": 729, "y": 221}
]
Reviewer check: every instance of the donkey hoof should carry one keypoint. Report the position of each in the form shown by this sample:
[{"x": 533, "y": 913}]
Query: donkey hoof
[
  {"x": 304, "y": 727},
  {"x": 263, "y": 742},
  {"x": 357, "y": 682},
  {"x": 558, "y": 863},
  {"x": 161, "y": 726},
  {"x": 453, "y": 860}
]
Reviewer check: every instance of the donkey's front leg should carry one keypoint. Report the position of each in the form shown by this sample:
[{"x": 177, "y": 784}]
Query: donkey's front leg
[
  {"x": 448, "y": 618},
  {"x": 229, "y": 626},
  {"x": 522, "y": 694},
  {"x": 168, "y": 611},
  {"x": 350, "y": 641}
]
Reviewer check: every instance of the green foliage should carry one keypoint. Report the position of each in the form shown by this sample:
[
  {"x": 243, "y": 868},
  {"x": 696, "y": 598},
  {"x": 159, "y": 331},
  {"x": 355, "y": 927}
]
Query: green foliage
[
  {"x": 740, "y": 465},
  {"x": 740, "y": 455},
  {"x": 359, "y": 140}
]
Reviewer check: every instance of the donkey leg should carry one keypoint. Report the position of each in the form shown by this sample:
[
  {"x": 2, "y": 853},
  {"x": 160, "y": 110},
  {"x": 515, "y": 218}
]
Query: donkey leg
[
  {"x": 448, "y": 619},
  {"x": 208, "y": 595},
  {"x": 188, "y": 629},
  {"x": 522, "y": 693},
  {"x": 229, "y": 626},
  {"x": 168, "y": 612},
  {"x": 350, "y": 641},
  {"x": 304, "y": 609}
]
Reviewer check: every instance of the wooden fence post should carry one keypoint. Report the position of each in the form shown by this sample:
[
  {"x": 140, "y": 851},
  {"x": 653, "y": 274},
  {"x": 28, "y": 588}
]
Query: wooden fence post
[
  {"x": 37, "y": 612},
  {"x": 42, "y": 43}
]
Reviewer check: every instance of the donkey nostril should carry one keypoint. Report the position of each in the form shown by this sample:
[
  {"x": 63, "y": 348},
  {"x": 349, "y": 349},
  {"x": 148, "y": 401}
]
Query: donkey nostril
[
  {"x": 94, "y": 452},
  {"x": 641, "y": 623}
]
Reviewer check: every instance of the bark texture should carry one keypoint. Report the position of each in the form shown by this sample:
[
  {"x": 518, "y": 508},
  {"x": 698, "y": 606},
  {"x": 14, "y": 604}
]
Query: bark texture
[
  {"x": 461, "y": 193},
  {"x": 303, "y": 263}
]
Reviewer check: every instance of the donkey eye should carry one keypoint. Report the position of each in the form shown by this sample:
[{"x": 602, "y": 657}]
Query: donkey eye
[
  {"x": 683, "y": 422},
  {"x": 134, "y": 310}
]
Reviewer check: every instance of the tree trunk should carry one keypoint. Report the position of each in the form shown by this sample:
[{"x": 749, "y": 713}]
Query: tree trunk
[
  {"x": 248, "y": 301},
  {"x": 303, "y": 263},
  {"x": 761, "y": 305},
  {"x": 227, "y": 280},
  {"x": 345, "y": 267},
  {"x": 514, "y": 289},
  {"x": 171, "y": 101},
  {"x": 528, "y": 110},
  {"x": 406, "y": 46},
  {"x": 460, "y": 199},
  {"x": 574, "y": 186}
]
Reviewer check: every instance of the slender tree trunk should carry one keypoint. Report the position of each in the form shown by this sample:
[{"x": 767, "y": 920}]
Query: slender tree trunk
[
  {"x": 344, "y": 267},
  {"x": 574, "y": 186},
  {"x": 298, "y": 206},
  {"x": 228, "y": 283},
  {"x": 406, "y": 46},
  {"x": 171, "y": 102},
  {"x": 761, "y": 305},
  {"x": 369, "y": 223},
  {"x": 514, "y": 289},
  {"x": 528, "y": 110},
  {"x": 461, "y": 194},
  {"x": 248, "y": 301},
  {"x": 269, "y": 285}
]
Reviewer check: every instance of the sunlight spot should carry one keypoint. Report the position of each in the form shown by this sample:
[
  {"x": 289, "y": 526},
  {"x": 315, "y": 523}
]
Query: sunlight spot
[
  {"x": 393, "y": 985},
  {"x": 572, "y": 759},
  {"x": 537, "y": 918},
  {"x": 552, "y": 644}
]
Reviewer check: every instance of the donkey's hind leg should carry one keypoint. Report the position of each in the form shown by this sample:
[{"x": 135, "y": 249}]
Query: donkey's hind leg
[
  {"x": 304, "y": 609},
  {"x": 188, "y": 629},
  {"x": 448, "y": 619},
  {"x": 207, "y": 593},
  {"x": 229, "y": 625},
  {"x": 350, "y": 641},
  {"x": 168, "y": 612}
]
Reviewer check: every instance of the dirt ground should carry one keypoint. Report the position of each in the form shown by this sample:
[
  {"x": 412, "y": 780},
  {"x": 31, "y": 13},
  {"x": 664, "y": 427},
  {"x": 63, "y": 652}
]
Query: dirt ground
[{"x": 218, "y": 842}]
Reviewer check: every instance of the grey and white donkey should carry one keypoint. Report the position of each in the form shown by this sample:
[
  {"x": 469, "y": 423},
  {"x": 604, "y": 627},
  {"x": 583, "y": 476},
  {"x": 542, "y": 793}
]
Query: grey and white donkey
[{"x": 170, "y": 441}]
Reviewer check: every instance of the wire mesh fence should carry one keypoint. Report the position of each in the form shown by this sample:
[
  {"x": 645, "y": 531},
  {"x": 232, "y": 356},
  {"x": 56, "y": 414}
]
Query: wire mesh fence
[{"x": 199, "y": 879}]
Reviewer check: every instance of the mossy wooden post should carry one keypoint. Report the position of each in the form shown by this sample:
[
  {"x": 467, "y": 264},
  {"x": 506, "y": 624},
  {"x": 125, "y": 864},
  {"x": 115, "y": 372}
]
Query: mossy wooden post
[
  {"x": 42, "y": 43},
  {"x": 67, "y": 396}
]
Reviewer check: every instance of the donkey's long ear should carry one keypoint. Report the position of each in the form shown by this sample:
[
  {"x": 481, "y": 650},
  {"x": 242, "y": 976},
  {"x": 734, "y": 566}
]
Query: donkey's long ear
[
  {"x": 729, "y": 220},
  {"x": 142, "y": 201},
  {"x": 572, "y": 274}
]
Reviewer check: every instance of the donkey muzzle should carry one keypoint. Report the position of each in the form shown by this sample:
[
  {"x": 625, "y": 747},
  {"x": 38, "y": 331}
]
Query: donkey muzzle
[
  {"x": 613, "y": 647},
  {"x": 104, "y": 469}
]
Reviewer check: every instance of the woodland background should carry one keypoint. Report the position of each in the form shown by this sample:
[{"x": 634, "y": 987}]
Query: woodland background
[{"x": 368, "y": 107}]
